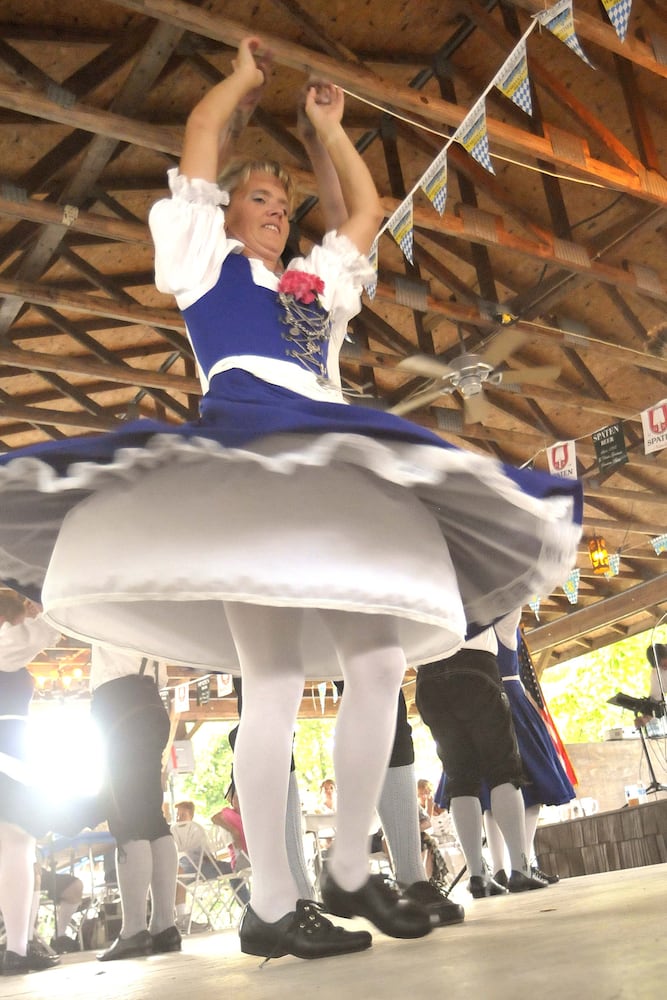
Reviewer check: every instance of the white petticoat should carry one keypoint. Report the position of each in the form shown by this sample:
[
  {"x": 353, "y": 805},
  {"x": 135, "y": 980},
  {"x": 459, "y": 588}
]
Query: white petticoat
[{"x": 148, "y": 563}]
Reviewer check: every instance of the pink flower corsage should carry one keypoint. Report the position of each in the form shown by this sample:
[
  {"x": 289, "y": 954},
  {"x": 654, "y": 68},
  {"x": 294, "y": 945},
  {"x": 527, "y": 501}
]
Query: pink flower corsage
[{"x": 303, "y": 286}]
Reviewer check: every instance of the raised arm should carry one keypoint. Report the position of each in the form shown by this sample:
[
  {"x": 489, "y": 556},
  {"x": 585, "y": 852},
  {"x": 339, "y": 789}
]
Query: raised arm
[
  {"x": 328, "y": 186},
  {"x": 212, "y": 119},
  {"x": 324, "y": 108}
]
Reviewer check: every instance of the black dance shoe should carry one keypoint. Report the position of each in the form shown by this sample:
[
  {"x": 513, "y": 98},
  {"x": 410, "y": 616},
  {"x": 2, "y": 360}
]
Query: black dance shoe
[
  {"x": 40, "y": 958},
  {"x": 435, "y": 902},
  {"x": 132, "y": 947},
  {"x": 518, "y": 882},
  {"x": 167, "y": 940},
  {"x": 480, "y": 886},
  {"x": 380, "y": 902},
  {"x": 501, "y": 877},
  {"x": 549, "y": 879},
  {"x": 304, "y": 933},
  {"x": 14, "y": 965},
  {"x": 64, "y": 944}
]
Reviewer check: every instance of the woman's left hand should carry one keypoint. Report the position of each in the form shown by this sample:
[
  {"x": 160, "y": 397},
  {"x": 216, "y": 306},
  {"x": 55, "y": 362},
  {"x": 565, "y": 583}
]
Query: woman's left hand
[{"x": 324, "y": 106}]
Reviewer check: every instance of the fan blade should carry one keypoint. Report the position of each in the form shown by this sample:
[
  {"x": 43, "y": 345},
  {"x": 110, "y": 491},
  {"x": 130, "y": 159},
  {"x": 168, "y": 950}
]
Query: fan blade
[
  {"x": 500, "y": 348},
  {"x": 532, "y": 376},
  {"x": 417, "y": 401},
  {"x": 476, "y": 409},
  {"x": 422, "y": 364}
]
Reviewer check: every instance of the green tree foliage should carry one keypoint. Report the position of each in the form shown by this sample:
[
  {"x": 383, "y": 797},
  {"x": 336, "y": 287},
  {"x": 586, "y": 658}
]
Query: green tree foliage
[{"x": 576, "y": 692}]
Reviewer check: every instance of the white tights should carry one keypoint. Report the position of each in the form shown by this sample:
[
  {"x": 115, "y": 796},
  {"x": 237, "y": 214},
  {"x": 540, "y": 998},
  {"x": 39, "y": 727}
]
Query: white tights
[
  {"x": 17, "y": 880},
  {"x": 373, "y": 666}
]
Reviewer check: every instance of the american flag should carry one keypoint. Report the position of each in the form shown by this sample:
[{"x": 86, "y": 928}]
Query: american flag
[{"x": 534, "y": 692}]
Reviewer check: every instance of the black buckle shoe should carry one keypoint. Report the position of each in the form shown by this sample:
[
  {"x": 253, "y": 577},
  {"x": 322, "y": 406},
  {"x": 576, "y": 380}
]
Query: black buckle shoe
[
  {"x": 133, "y": 947},
  {"x": 14, "y": 964},
  {"x": 380, "y": 902},
  {"x": 549, "y": 879},
  {"x": 166, "y": 940},
  {"x": 480, "y": 886},
  {"x": 435, "y": 901},
  {"x": 519, "y": 882},
  {"x": 304, "y": 933}
]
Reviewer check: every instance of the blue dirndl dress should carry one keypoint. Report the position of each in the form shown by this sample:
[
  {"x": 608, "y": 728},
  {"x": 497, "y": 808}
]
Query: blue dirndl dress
[{"x": 281, "y": 494}]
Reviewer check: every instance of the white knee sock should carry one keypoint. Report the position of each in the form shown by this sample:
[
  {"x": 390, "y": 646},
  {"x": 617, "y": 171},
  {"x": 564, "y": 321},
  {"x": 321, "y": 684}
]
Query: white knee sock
[
  {"x": 466, "y": 812},
  {"x": 364, "y": 736},
  {"x": 294, "y": 841},
  {"x": 508, "y": 809},
  {"x": 532, "y": 816},
  {"x": 134, "y": 865},
  {"x": 64, "y": 913},
  {"x": 495, "y": 842},
  {"x": 163, "y": 883},
  {"x": 34, "y": 910},
  {"x": 399, "y": 815},
  {"x": 17, "y": 880}
]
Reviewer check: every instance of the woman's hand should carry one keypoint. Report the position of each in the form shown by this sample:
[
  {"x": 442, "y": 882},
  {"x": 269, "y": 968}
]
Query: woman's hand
[
  {"x": 252, "y": 64},
  {"x": 324, "y": 107}
]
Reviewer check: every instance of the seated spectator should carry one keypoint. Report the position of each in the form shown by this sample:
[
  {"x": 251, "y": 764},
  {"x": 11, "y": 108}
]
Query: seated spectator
[
  {"x": 66, "y": 892},
  {"x": 229, "y": 818},
  {"x": 434, "y": 861}
]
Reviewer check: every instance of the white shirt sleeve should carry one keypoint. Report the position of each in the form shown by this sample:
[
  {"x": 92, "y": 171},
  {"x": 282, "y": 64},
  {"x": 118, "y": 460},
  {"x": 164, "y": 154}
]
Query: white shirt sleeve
[
  {"x": 506, "y": 629},
  {"x": 485, "y": 640},
  {"x": 19, "y": 644}
]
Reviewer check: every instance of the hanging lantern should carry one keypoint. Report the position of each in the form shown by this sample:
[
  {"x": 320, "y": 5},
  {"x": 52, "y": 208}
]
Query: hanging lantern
[{"x": 598, "y": 555}]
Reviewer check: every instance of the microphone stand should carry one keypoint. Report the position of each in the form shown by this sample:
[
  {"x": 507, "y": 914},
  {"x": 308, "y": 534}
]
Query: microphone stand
[{"x": 654, "y": 785}]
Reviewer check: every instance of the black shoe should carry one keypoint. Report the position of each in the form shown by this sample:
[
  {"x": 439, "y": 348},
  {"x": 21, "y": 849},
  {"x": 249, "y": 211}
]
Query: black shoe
[
  {"x": 64, "y": 944},
  {"x": 549, "y": 879},
  {"x": 132, "y": 947},
  {"x": 167, "y": 940},
  {"x": 480, "y": 886},
  {"x": 501, "y": 877},
  {"x": 304, "y": 933},
  {"x": 519, "y": 882},
  {"x": 14, "y": 965},
  {"x": 381, "y": 903},
  {"x": 39, "y": 958},
  {"x": 435, "y": 902}
]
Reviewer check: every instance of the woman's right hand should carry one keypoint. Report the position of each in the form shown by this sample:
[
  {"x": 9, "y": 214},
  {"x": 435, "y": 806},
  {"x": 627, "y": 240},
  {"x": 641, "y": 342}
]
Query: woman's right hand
[{"x": 252, "y": 62}]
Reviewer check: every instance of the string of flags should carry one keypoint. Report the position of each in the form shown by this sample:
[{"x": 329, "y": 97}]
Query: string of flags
[
  {"x": 513, "y": 81},
  {"x": 203, "y": 688}
]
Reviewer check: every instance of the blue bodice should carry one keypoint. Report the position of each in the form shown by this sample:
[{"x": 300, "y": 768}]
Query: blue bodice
[{"x": 239, "y": 317}]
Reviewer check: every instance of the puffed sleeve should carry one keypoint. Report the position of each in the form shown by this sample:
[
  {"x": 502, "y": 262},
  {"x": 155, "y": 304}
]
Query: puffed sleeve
[
  {"x": 344, "y": 271},
  {"x": 19, "y": 644},
  {"x": 189, "y": 236}
]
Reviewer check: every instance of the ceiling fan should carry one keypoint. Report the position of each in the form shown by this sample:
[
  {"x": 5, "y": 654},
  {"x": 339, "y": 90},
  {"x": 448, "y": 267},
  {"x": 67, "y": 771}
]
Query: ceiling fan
[{"x": 467, "y": 374}]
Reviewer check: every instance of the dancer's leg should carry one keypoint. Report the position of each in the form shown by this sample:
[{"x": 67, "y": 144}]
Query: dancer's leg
[
  {"x": 466, "y": 814},
  {"x": 17, "y": 877},
  {"x": 134, "y": 866},
  {"x": 532, "y": 816},
  {"x": 294, "y": 841},
  {"x": 508, "y": 809},
  {"x": 163, "y": 883},
  {"x": 399, "y": 815},
  {"x": 495, "y": 842},
  {"x": 373, "y": 666},
  {"x": 267, "y": 643}
]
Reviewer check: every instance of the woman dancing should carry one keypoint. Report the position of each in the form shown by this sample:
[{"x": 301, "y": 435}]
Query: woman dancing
[{"x": 285, "y": 534}]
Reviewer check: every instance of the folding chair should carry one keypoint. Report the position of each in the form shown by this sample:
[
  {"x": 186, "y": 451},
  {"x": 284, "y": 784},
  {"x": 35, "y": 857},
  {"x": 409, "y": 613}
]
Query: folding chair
[{"x": 216, "y": 894}]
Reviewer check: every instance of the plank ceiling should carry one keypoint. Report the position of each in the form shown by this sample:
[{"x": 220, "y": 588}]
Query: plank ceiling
[{"x": 567, "y": 238}]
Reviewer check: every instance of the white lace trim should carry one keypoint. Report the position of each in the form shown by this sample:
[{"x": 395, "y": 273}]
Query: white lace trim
[{"x": 196, "y": 189}]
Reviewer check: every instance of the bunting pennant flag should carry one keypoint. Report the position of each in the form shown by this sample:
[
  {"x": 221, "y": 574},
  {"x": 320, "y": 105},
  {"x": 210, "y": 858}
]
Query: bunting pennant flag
[
  {"x": 182, "y": 697},
  {"x": 473, "y": 136},
  {"x": 534, "y": 606},
  {"x": 559, "y": 19},
  {"x": 571, "y": 586},
  {"x": 434, "y": 182},
  {"x": 334, "y": 693},
  {"x": 654, "y": 423},
  {"x": 614, "y": 565},
  {"x": 401, "y": 227},
  {"x": 371, "y": 287},
  {"x": 659, "y": 544},
  {"x": 610, "y": 449},
  {"x": 562, "y": 459},
  {"x": 322, "y": 691},
  {"x": 225, "y": 684},
  {"x": 203, "y": 690},
  {"x": 512, "y": 79},
  {"x": 618, "y": 12}
]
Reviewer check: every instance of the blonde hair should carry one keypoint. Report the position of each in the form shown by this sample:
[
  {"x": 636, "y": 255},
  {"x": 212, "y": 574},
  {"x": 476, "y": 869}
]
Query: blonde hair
[
  {"x": 237, "y": 172},
  {"x": 12, "y": 606}
]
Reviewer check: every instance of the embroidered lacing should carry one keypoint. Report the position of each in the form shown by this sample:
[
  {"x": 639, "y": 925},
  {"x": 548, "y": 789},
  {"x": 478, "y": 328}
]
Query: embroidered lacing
[{"x": 308, "y": 327}]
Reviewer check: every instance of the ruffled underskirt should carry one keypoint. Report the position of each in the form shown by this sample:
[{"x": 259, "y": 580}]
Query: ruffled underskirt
[{"x": 139, "y": 536}]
